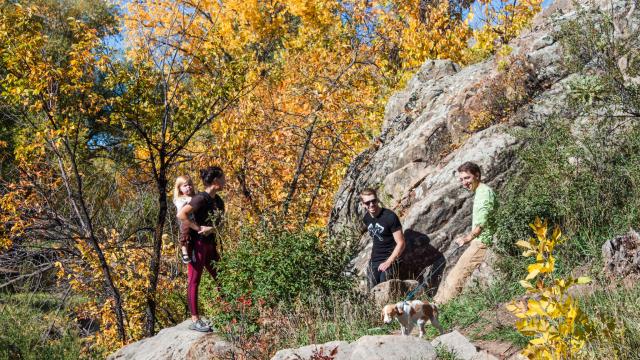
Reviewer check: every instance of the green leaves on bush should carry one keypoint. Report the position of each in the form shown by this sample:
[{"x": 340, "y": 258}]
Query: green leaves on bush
[
  {"x": 586, "y": 90},
  {"x": 276, "y": 265}
]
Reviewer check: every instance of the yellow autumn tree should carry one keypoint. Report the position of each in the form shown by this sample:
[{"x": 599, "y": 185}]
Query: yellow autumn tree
[
  {"x": 70, "y": 150},
  {"x": 416, "y": 30},
  {"x": 292, "y": 137},
  {"x": 314, "y": 93},
  {"x": 48, "y": 87},
  {"x": 497, "y": 23}
]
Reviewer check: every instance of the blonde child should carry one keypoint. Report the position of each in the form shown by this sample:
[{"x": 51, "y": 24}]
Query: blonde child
[{"x": 182, "y": 193}]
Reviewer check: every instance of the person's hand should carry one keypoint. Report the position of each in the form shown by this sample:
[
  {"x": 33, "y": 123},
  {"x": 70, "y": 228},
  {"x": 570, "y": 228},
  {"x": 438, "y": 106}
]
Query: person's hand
[
  {"x": 384, "y": 266},
  {"x": 205, "y": 230},
  {"x": 461, "y": 240}
]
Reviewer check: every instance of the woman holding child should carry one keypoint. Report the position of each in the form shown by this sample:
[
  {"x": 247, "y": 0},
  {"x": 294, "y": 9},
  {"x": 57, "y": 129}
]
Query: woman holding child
[{"x": 199, "y": 219}]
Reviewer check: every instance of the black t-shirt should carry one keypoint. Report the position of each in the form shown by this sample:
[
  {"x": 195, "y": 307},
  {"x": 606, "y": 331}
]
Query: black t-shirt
[
  {"x": 207, "y": 211},
  {"x": 381, "y": 229}
]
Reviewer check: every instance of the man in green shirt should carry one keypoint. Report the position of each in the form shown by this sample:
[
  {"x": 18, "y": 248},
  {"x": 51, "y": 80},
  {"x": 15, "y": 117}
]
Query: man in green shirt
[{"x": 484, "y": 202}]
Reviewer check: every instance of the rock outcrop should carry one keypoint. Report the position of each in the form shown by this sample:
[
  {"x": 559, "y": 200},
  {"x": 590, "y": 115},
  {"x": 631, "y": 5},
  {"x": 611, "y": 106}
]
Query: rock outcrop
[
  {"x": 621, "y": 255},
  {"x": 426, "y": 135},
  {"x": 395, "y": 347},
  {"x": 393, "y": 290},
  {"x": 176, "y": 342},
  {"x": 381, "y": 347},
  {"x": 457, "y": 344}
]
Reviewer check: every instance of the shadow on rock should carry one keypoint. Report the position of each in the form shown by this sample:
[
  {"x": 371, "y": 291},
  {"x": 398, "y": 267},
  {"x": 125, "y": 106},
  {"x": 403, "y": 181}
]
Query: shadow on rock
[{"x": 421, "y": 261}]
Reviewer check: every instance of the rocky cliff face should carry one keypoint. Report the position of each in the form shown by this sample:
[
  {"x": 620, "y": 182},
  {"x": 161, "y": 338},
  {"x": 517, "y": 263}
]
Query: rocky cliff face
[{"x": 426, "y": 135}]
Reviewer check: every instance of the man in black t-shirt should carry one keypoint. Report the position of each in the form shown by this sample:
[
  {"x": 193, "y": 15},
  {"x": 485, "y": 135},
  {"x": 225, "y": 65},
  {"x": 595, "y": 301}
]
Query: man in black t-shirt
[{"x": 388, "y": 241}]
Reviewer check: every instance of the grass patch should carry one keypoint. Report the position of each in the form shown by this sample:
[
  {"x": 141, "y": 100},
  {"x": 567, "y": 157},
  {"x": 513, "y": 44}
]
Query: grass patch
[
  {"x": 38, "y": 326},
  {"x": 443, "y": 353},
  {"x": 616, "y": 315},
  {"x": 315, "y": 319},
  {"x": 466, "y": 310},
  {"x": 507, "y": 334}
]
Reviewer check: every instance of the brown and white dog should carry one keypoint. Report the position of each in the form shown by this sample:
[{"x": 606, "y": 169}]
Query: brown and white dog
[{"x": 412, "y": 312}]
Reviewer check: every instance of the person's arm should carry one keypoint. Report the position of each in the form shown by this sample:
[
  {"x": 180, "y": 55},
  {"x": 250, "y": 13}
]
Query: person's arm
[
  {"x": 183, "y": 215},
  {"x": 398, "y": 236},
  {"x": 467, "y": 238},
  {"x": 194, "y": 205}
]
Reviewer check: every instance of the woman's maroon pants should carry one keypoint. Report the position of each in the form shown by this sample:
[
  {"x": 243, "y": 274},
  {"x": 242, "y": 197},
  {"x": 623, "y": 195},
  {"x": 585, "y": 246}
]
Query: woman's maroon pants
[{"x": 205, "y": 254}]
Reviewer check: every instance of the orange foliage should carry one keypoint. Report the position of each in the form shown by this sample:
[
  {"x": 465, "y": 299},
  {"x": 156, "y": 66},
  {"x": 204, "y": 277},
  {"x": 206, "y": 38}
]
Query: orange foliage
[{"x": 130, "y": 272}]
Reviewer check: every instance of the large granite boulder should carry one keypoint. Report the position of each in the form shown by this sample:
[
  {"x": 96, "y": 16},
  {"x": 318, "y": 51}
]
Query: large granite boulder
[
  {"x": 393, "y": 290},
  {"x": 379, "y": 347},
  {"x": 456, "y": 343},
  {"x": 395, "y": 347},
  {"x": 176, "y": 342}
]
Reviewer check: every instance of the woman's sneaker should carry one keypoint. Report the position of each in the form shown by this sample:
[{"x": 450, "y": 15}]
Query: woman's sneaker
[{"x": 199, "y": 326}]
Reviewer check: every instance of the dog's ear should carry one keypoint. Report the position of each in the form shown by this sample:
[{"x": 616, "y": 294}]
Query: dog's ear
[{"x": 387, "y": 310}]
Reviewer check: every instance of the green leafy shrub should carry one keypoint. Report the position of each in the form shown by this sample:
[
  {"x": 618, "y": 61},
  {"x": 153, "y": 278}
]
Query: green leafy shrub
[
  {"x": 586, "y": 90},
  {"x": 273, "y": 265},
  {"x": 281, "y": 288},
  {"x": 580, "y": 169},
  {"x": 605, "y": 58}
]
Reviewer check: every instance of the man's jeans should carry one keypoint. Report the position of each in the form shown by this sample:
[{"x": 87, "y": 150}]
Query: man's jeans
[{"x": 375, "y": 276}]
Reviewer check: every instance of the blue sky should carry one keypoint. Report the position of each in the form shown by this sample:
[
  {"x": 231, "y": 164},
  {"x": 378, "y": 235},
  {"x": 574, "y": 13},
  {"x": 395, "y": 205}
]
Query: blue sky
[{"x": 477, "y": 10}]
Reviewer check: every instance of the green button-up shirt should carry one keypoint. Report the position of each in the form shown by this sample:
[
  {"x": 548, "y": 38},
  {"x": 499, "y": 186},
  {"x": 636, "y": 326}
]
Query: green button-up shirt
[{"x": 484, "y": 202}]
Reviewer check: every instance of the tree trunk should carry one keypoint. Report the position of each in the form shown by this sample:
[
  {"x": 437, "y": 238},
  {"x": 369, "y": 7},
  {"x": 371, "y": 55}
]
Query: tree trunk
[
  {"x": 319, "y": 181},
  {"x": 154, "y": 266},
  {"x": 112, "y": 289},
  {"x": 293, "y": 186},
  {"x": 77, "y": 200}
]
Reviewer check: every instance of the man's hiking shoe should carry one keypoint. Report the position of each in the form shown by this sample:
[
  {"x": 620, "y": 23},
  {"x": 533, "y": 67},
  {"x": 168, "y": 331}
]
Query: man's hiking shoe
[
  {"x": 199, "y": 326},
  {"x": 186, "y": 259}
]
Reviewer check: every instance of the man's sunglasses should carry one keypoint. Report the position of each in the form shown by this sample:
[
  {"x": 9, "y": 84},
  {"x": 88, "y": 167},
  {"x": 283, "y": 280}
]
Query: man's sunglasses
[{"x": 372, "y": 201}]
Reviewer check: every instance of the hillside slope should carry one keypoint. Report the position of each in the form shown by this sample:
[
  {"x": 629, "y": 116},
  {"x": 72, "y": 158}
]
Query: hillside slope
[{"x": 448, "y": 115}]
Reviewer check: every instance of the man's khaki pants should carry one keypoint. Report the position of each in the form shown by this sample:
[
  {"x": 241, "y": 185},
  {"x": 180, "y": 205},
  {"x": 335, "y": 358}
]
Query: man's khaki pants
[{"x": 468, "y": 262}]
